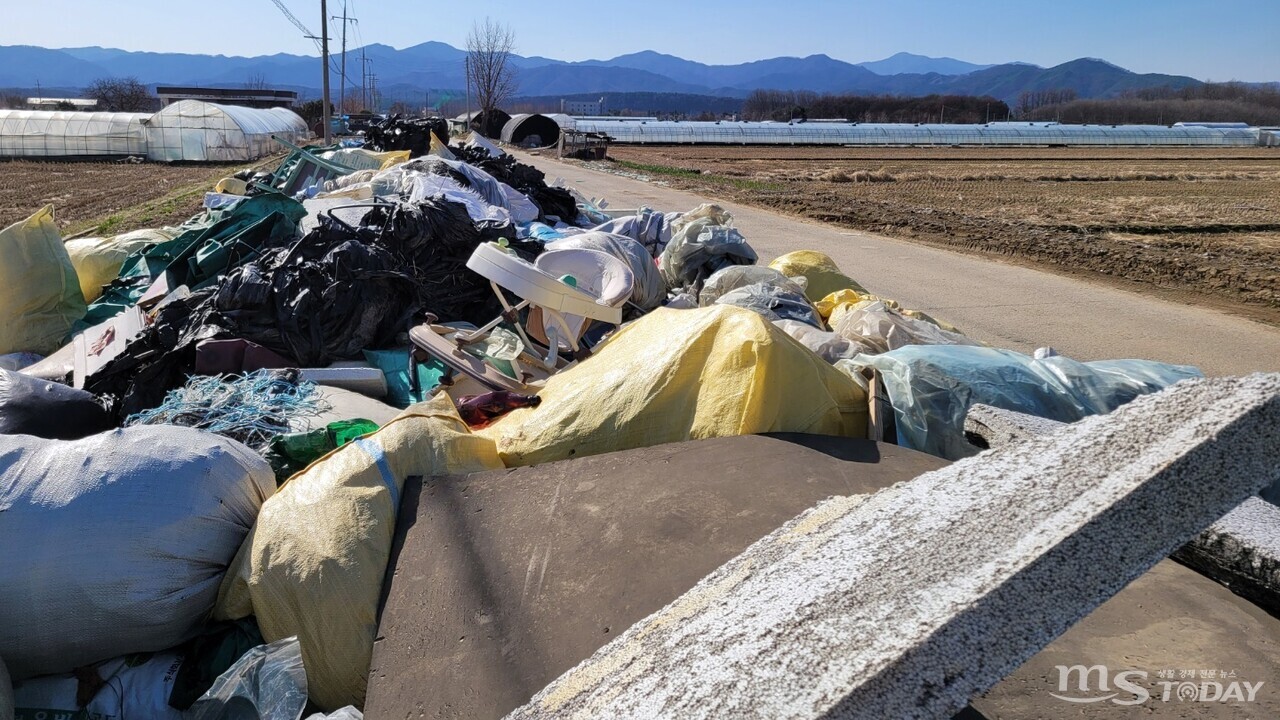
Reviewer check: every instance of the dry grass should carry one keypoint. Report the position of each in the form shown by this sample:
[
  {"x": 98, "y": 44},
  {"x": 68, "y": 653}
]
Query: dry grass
[{"x": 857, "y": 176}]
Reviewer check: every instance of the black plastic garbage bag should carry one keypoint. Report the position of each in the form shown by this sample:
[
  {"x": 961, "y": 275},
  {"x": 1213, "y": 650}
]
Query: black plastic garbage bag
[
  {"x": 552, "y": 201},
  {"x": 31, "y": 406},
  {"x": 327, "y": 296},
  {"x": 404, "y": 133}
]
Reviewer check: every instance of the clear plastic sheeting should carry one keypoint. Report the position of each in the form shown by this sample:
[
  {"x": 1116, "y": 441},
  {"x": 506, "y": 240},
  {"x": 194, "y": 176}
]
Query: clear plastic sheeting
[
  {"x": 702, "y": 242},
  {"x": 731, "y": 278},
  {"x": 268, "y": 682},
  {"x": 932, "y": 387},
  {"x": 883, "y": 328},
  {"x": 773, "y": 303},
  {"x": 649, "y": 228},
  {"x": 37, "y": 134},
  {"x": 195, "y": 131},
  {"x": 827, "y": 345}
]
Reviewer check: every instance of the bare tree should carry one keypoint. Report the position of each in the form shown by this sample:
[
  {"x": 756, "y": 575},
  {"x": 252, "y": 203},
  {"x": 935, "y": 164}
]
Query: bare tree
[
  {"x": 121, "y": 95},
  {"x": 490, "y": 72},
  {"x": 257, "y": 81}
]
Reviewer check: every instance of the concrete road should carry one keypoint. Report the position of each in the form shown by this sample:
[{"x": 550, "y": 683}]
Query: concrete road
[{"x": 1005, "y": 305}]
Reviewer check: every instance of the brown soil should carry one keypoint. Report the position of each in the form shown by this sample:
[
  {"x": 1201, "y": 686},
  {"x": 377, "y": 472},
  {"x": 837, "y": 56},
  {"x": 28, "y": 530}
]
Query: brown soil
[
  {"x": 1202, "y": 224},
  {"x": 107, "y": 198}
]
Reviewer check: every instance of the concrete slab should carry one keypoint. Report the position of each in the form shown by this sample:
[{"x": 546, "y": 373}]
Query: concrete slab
[
  {"x": 1241, "y": 550},
  {"x": 1168, "y": 622},
  {"x": 910, "y": 602},
  {"x": 989, "y": 427},
  {"x": 501, "y": 581}
]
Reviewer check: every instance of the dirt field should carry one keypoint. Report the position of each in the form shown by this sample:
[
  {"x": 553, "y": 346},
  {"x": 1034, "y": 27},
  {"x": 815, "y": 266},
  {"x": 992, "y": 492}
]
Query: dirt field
[
  {"x": 1201, "y": 225},
  {"x": 107, "y": 198}
]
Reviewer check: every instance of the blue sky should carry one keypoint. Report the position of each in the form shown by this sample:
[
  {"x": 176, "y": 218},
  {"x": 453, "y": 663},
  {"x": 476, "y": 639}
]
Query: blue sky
[{"x": 1207, "y": 40}]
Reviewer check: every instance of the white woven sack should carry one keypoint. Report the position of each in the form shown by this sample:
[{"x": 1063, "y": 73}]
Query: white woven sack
[{"x": 117, "y": 543}]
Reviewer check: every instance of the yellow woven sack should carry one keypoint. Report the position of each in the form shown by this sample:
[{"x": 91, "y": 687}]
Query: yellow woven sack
[
  {"x": 841, "y": 298},
  {"x": 313, "y": 564},
  {"x": 821, "y": 271},
  {"x": 39, "y": 294},
  {"x": 678, "y": 375},
  {"x": 97, "y": 260}
]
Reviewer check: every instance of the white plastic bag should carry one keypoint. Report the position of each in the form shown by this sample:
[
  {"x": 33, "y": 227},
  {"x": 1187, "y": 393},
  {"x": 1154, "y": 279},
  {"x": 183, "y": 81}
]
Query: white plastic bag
[
  {"x": 117, "y": 543},
  {"x": 726, "y": 280},
  {"x": 134, "y": 687},
  {"x": 347, "y": 713},
  {"x": 828, "y": 345}
]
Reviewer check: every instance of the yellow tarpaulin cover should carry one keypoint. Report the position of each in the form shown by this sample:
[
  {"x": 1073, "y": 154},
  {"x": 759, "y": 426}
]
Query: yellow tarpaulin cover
[
  {"x": 677, "y": 375},
  {"x": 313, "y": 564},
  {"x": 97, "y": 260},
  {"x": 362, "y": 159},
  {"x": 821, "y": 271},
  {"x": 40, "y": 296}
]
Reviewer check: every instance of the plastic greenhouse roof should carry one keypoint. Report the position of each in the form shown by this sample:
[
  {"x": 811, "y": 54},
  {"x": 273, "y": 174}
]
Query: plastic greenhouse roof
[
  {"x": 906, "y": 133},
  {"x": 251, "y": 121}
]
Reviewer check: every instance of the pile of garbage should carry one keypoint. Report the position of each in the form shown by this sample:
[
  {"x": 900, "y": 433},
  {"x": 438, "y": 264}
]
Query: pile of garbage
[
  {"x": 205, "y": 429},
  {"x": 398, "y": 132}
]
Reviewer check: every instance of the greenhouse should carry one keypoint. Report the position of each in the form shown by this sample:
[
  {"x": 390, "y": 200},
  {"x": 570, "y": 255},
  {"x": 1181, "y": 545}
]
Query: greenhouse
[
  {"x": 532, "y": 129},
  {"x": 190, "y": 131},
  {"x": 42, "y": 134},
  {"x": 996, "y": 133},
  {"x": 197, "y": 131}
]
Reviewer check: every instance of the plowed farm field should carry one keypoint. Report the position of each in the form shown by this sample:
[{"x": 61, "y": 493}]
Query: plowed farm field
[
  {"x": 107, "y": 198},
  {"x": 1198, "y": 224}
]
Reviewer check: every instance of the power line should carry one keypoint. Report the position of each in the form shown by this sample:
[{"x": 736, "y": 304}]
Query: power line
[
  {"x": 296, "y": 22},
  {"x": 306, "y": 33}
]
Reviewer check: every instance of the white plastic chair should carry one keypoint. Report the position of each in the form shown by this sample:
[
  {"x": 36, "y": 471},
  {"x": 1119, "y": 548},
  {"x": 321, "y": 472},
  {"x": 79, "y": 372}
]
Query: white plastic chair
[{"x": 563, "y": 289}]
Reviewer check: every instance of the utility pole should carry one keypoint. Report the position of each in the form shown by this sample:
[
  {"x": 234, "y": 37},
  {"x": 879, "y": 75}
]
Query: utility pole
[
  {"x": 364, "y": 80},
  {"x": 342, "y": 90},
  {"x": 324, "y": 57}
]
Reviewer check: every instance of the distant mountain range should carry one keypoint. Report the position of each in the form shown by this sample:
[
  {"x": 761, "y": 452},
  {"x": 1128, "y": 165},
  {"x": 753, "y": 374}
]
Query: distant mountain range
[{"x": 435, "y": 66}]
